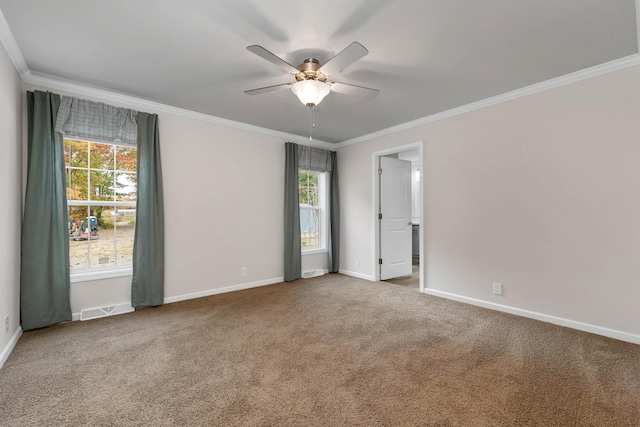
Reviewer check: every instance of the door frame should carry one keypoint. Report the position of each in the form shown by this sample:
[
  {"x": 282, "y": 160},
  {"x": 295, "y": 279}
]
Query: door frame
[{"x": 376, "y": 203}]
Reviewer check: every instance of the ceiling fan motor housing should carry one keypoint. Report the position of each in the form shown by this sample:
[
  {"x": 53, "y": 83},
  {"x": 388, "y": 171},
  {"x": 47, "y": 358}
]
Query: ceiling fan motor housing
[{"x": 309, "y": 70}]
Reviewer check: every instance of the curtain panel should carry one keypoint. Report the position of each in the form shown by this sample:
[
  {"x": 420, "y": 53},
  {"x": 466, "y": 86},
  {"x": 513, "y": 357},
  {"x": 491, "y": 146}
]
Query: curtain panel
[
  {"x": 334, "y": 216},
  {"x": 147, "y": 284},
  {"x": 292, "y": 245},
  {"x": 44, "y": 268}
]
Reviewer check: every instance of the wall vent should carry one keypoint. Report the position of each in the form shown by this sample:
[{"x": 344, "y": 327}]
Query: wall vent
[
  {"x": 111, "y": 310},
  {"x": 312, "y": 273}
]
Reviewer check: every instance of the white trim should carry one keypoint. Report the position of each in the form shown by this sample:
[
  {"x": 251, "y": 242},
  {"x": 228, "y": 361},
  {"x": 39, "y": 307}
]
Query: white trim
[
  {"x": 224, "y": 290},
  {"x": 586, "y": 327},
  {"x": 88, "y": 275},
  {"x": 209, "y": 292},
  {"x": 357, "y": 275},
  {"x": 422, "y": 227},
  {"x": 11, "y": 46},
  {"x": 314, "y": 251},
  {"x": 99, "y": 202},
  {"x": 587, "y": 73},
  {"x": 638, "y": 23},
  {"x": 10, "y": 346},
  {"x": 376, "y": 202}
]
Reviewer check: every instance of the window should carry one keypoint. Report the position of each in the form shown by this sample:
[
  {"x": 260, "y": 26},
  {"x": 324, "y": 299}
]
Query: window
[
  {"x": 312, "y": 194},
  {"x": 101, "y": 199}
]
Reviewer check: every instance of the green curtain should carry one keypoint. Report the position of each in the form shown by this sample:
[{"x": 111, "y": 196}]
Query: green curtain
[
  {"x": 292, "y": 246},
  {"x": 334, "y": 216},
  {"x": 147, "y": 285},
  {"x": 44, "y": 269}
]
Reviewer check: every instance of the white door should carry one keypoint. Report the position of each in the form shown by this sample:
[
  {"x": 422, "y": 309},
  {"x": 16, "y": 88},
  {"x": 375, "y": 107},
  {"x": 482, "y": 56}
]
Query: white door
[{"x": 395, "y": 224}]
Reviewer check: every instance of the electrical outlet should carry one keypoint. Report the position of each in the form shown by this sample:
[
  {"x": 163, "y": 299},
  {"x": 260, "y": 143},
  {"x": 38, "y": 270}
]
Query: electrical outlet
[
  {"x": 497, "y": 289},
  {"x": 244, "y": 271},
  {"x": 6, "y": 324},
  {"x": 357, "y": 262}
]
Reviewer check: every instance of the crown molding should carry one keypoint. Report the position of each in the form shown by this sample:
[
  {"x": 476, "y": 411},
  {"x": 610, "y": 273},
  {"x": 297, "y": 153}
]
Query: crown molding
[
  {"x": 587, "y": 73},
  {"x": 56, "y": 83},
  {"x": 11, "y": 46}
]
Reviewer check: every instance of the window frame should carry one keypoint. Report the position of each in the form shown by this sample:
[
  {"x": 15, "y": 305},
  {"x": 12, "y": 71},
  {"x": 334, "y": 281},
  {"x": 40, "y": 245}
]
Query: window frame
[
  {"x": 104, "y": 272},
  {"x": 323, "y": 223}
]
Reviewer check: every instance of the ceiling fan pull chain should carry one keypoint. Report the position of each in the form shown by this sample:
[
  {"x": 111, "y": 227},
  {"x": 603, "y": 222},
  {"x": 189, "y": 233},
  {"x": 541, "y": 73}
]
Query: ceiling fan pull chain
[
  {"x": 313, "y": 116},
  {"x": 312, "y": 123}
]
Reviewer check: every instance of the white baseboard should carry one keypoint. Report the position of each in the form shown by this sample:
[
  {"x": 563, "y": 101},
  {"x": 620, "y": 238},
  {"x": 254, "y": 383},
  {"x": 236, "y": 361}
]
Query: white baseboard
[
  {"x": 226, "y": 289},
  {"x": 209, "y": 292},
  {"x": 6, "y": 351},
  {"x": 586, "y": 327},
  {"x": 358, "y": 275}
]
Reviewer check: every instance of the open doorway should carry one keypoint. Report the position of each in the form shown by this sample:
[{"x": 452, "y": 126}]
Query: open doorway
[{"x": 399, "y": 229}]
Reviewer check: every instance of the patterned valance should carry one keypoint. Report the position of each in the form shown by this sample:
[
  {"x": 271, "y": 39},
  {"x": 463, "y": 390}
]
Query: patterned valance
[
  {"x": 314, "y": 159},
  {"x": 95, "y": 121}
]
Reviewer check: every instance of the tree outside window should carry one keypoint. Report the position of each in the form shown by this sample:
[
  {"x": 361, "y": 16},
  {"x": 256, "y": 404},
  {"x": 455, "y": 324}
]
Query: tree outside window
[{"x": 101, "y": 199}]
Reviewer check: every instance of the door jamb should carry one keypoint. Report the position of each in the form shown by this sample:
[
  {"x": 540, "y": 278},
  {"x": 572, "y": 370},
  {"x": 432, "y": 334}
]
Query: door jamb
[{"x": 376, "y": 203}]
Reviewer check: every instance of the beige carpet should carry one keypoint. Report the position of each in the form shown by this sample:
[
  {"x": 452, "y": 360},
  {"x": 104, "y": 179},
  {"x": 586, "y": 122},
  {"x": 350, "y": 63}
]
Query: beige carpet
[
  {"x": 411, "y": 281},
  {"x": 330, "y": 351}
]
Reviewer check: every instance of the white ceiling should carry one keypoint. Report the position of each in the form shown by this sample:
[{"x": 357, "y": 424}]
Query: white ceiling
[{"x": 425, "y": 56}]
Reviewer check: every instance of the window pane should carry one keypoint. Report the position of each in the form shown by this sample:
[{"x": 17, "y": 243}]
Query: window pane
[
  {"x": 79, "y": 154},
  {"x": 77, "y": 184},
  {"x": 309, "y": 223},
  {"x": 308, "y": 188},
  {"x": 67, "y": 151},
  {"x": 125, "y": 227},
  {"x": 103, "y": 250},
  {"x": 312, "y": 194},
  {"x": 126, "y": 187},
  {"x": 80, "y": 235},
  {"x": 126, "y": 158},
  {"x": 102, "y": 185},
  {"x": 102, "y": 156},
  {"x": 101, "y": 236}
]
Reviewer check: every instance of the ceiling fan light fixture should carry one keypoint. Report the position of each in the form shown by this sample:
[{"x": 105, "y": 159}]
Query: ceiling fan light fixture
[{"x": 310, "y": 92}]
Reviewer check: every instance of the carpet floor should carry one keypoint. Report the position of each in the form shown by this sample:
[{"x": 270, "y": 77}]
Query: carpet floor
[{"x": 327, "y": 351}]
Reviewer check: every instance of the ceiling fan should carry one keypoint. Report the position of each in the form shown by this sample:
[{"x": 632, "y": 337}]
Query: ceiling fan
[{"x": 312, "y": 79}]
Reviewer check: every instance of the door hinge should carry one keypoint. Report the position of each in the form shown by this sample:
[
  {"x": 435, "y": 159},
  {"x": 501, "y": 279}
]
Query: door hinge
[
  {"x": 379, "y": 216},
  {"x": 380, "y": 261},
  {"x": 379, "y": 171}
]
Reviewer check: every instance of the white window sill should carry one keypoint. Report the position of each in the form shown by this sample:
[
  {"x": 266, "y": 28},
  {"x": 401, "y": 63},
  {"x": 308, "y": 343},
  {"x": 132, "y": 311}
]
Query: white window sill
[
  {"x": 87, "y": 276},
  {"x": 314, "y": 251}
]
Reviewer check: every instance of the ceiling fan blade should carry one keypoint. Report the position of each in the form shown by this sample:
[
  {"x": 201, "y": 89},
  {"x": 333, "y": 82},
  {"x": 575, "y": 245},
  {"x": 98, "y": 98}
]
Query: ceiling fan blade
[
  {"x": 268, "y": 89},
  {"x": 344, "y": 58},
  {"x": 363, "y": 92},
  {"x": 275, "y": 60}
]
